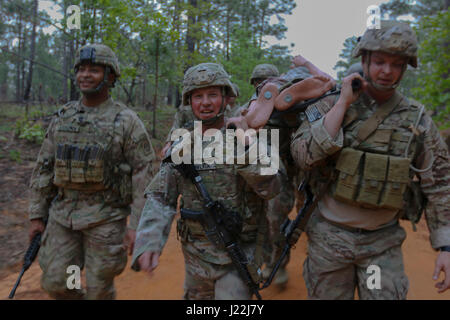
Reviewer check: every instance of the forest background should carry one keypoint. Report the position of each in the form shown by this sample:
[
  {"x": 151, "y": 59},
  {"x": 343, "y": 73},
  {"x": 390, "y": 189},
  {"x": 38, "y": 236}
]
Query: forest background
[{"x": 156, "y": 41}]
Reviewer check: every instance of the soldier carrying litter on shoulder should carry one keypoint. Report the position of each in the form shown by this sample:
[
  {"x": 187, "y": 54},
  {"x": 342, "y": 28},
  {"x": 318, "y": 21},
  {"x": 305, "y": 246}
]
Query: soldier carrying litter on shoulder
[
  {"x": 218, "y": 265},
  {"x": 375, "y": 156},
  {"x": 90, "y": 175}
]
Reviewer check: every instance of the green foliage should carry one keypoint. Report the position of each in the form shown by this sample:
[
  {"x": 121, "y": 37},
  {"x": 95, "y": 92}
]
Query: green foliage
[
  {"x": 15, "y": 156},
  {"x": 155, "y": 41},
  {"x": 346, "y": 59},
  {"x": 433, "y": 88},
  {"x": 29, "y": 131}
]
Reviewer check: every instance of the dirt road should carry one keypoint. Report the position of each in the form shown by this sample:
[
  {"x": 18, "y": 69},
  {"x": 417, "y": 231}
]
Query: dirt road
[{"x": 167, "y": 283}]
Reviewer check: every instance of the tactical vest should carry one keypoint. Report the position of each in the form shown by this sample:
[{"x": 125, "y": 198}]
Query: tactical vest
[
  {"x": 224, "y": 184},
  {"x": 83, "y": 152},
  {"x": 375, "y": 173}
]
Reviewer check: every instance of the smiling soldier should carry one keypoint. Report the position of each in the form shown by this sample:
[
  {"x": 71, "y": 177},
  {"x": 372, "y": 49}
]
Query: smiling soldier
[
  {"x": 210, "y": 269},
  {"x": 90, "y": 173}
]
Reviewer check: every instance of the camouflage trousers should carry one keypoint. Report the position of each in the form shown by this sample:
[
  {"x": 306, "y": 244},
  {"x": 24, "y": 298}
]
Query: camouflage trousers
[
  {"x": 207, "y": 281},
  {"x": 100, "y": 249},
  {"x": 277, "y": 210},
  {"x": 340, "y": 261}
]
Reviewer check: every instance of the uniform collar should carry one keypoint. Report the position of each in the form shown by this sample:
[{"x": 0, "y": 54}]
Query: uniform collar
[{"x": 96, "y": 109}]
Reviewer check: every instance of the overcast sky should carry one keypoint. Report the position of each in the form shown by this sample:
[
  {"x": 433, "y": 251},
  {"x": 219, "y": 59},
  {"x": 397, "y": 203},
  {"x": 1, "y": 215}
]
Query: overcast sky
[{"x": 318, "y": 28}]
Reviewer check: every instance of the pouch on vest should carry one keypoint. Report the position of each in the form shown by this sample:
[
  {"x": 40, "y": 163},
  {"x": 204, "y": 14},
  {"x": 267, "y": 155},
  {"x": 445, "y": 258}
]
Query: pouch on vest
[
  {"x": 348, "y": 178},
  {"x": 374, "y": 175},
  {"x": 396, "y": 182},
  {"x": 95, "y": 166},
  {"x": 378, "y": 142},
  {"x": 77, "y": 165},
  {"x": 62, "y": 164}
]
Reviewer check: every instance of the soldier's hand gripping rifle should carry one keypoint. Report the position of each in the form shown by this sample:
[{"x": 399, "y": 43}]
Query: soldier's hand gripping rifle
[
  {"x": 30, "y": 255},
  {"x": 292, "y": 229},
  {"x": 221, "y": 226}
]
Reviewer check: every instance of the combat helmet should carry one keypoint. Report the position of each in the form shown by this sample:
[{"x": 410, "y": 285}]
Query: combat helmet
[
  {"x": 236, "y": 89},
  {"x": 207, "y": 75},
  {"x": 394, "y": 37},
  {"x": 98, "y": 54},
  {"x": 264, "y": 71}
]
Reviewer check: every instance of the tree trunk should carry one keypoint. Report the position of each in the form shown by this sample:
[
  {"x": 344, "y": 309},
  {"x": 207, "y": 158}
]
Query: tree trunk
[
  {"x": 19, "y": 61},
  {"x": 170, "y": 95},
  {"x": 155, "y": 97},
  {"x": 228, "y": 32},
  {"x": 190, "y": 40},
  {"x": 26, "y": 96},
  {"x": 144, "y": 85}
]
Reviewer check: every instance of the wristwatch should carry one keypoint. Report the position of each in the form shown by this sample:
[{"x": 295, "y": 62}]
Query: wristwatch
[{"x": 445, "y": 248}]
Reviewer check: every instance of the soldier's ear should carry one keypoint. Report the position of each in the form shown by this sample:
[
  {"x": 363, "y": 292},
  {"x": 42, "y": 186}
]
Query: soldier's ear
[
  {"x": 111, "y": 79},
  {"x": 227, "y": 99}
]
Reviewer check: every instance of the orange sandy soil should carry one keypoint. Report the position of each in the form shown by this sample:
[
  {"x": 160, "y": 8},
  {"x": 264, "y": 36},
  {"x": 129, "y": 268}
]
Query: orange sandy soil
[{"x": 167, "y": 282}]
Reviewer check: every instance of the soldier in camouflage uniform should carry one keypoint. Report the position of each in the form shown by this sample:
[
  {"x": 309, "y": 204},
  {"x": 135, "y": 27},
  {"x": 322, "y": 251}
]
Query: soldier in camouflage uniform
[
  {"x": 373, "y": 155},
  {"x": 279, "y": 207},
  {"x": 184, "y": 118},
  {"x": 209, "y": 273},
  {"x": 90, "y": 175}
]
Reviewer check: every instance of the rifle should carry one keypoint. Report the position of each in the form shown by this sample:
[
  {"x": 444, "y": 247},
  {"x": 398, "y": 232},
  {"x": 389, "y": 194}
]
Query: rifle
[
  {"x": 292, "y": 229},
  {"x": 30, "y": 255},
  {"x": 221, "y": 226}
]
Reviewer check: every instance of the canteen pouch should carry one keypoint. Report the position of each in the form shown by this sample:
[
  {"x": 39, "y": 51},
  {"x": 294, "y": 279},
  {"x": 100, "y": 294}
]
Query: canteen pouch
[
  {"x": 396, "y": 183},
  {"x": 348, "y": 175},
  {"x": 374, "y": 175}
]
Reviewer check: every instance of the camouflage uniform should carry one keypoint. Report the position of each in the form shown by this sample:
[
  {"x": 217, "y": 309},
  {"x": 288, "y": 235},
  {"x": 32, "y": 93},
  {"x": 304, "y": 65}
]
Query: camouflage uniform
[
  {"x": 279, "y": 207},
  {"x": 90, "y": 175},
  {"x": 209, "y": 273},
  {"x": 368, "y": 182}
]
